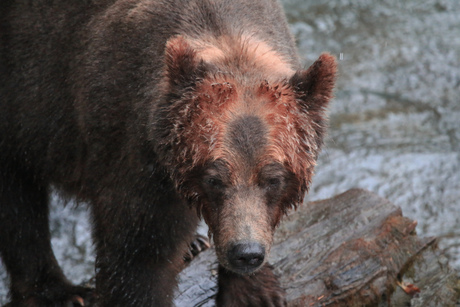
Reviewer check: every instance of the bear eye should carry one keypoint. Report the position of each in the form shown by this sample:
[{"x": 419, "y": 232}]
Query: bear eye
[
  {"x": 272, "y": 183},
  {"x": 214, "y": 182}
]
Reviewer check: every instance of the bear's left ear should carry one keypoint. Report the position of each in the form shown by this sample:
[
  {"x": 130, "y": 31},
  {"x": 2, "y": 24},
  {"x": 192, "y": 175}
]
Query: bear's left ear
[
  {"x": 183, "y": 66},
  {"x": 314, "y": 86}
]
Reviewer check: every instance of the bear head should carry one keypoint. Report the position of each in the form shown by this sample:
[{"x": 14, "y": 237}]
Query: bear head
[{"x": 239, "y": 132}]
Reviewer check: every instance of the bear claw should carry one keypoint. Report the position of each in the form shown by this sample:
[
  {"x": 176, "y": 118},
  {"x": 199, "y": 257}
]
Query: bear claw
[
  {"x": 198, "y": 245},
  {"x": 77, "y": 300}
]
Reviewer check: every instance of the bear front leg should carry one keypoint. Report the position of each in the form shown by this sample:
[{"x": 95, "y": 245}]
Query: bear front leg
[
  {"x": 36, "y": 280},
  {"x": 258, "y": 289},
  {"x": 140, "y": 248}
]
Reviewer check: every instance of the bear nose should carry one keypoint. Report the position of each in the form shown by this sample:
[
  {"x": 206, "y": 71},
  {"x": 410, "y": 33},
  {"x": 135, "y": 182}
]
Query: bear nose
[{"x": 246, "y": 257}]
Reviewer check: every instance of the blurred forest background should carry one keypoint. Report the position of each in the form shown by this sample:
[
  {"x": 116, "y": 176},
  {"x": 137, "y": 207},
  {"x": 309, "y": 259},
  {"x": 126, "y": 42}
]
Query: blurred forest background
[{"x": 395, "y": 122}]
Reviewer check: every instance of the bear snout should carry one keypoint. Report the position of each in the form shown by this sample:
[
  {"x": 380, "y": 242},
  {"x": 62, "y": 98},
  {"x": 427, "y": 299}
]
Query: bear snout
[{"x": 246, "y": 257}]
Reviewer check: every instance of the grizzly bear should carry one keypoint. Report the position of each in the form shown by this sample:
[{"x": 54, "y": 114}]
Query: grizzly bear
[{"x": 156, "y": 113}]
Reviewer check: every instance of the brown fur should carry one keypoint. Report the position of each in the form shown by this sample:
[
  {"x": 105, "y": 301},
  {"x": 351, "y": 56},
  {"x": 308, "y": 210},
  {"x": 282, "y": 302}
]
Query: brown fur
[
  {"x": 290, "y": 111},
  {"x": 153, "y": 112},
  {"x": 296, "y": 125},
  {"x": 258, "y": 53}
]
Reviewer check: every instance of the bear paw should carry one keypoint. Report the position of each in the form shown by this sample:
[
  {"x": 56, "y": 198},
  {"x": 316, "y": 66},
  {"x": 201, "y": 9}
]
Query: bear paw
[
  {"x": 72, "y": 297},
  {"x": 198, "y": 245}
]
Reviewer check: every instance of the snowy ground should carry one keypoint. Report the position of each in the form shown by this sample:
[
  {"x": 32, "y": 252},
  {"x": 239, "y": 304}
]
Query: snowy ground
[{"x": 395, "y": 124}]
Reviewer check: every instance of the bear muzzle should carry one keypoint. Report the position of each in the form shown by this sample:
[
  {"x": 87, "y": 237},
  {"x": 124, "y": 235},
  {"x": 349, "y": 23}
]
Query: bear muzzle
[{"x": 245, "y": 257}]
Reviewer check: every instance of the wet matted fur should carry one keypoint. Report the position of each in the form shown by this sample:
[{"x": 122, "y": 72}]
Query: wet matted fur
[{"x": 154, "y": 113}]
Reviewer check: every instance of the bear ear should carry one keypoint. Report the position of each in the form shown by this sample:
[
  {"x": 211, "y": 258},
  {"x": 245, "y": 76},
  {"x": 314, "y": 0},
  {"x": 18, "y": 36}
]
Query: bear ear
[
  {"x": 314, "y": 86},
  {"x": 183, "y": 66}
]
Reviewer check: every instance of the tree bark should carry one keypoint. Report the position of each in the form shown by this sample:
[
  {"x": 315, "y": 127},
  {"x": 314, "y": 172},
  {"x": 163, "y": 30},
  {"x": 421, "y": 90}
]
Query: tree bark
[{"x": 355, "y": 249}]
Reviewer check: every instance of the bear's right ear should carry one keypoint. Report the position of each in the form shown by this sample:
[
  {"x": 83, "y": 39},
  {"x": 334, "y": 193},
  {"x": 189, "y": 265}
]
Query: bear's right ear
[
  {"x": 183, "y": 66},
  {"x": 315, "y": 85},
  {"x": 314, "y": 89}
]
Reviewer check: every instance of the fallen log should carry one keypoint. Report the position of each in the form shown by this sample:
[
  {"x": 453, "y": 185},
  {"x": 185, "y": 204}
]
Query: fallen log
[{"x": 355, "y": 249}]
